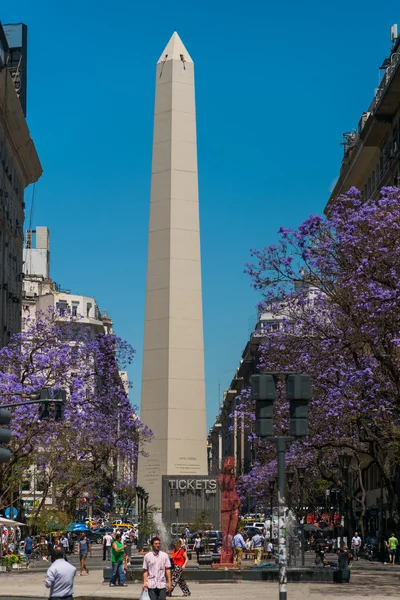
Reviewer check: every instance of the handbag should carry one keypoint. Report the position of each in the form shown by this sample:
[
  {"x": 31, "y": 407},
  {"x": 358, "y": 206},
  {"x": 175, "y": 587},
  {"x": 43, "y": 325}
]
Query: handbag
[{"x": 144, "y": 595}]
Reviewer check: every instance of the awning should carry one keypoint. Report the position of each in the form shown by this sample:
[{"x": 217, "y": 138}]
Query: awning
[{"x": 10, "y": 523}]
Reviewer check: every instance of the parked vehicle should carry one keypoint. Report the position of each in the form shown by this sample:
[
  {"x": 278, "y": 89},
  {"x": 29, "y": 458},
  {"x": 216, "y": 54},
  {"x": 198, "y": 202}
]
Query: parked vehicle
[{"x": 250, "y": 530}]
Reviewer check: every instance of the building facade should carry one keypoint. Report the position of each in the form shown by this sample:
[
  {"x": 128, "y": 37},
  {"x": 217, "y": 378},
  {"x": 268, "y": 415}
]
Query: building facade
[
  {"x": 371, "y": 161},
  {"x": 41, "y": 293},
  {"x": 19, "y": 167},
  {"x": 372, "y": 151}
]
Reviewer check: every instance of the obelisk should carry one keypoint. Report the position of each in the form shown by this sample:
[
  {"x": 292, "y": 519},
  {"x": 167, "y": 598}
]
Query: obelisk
[{"x": 173, "y": 393}]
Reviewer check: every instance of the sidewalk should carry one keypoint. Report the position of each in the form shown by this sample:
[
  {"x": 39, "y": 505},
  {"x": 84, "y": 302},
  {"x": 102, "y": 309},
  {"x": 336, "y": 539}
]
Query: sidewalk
[{"x": 371, "y": 585}]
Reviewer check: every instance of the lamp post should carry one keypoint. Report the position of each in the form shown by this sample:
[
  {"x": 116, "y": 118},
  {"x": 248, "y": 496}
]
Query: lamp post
[
  {"x": 271, "y": 491},
  {"x": 290, "y": 479},
  {"x": 345, "y": 460},
  {"x": 301, "y": 471},
  {"x": 177, "y": 507},
  {"x": 218, "y": 426}
]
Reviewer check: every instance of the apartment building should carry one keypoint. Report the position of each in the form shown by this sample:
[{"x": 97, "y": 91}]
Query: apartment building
[
  {"x": 19, "y": 167},
  {"x": 371, "y": 157}
]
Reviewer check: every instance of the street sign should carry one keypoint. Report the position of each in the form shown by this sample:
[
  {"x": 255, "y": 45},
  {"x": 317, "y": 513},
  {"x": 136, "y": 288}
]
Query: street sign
[{"x": 7, "y": 513}]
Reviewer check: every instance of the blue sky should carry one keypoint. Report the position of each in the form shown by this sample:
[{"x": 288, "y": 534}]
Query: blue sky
[{"x": 276, "y": 85}]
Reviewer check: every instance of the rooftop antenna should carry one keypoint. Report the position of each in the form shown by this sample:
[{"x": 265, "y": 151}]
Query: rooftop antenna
[{"x": 393, "y": 33}]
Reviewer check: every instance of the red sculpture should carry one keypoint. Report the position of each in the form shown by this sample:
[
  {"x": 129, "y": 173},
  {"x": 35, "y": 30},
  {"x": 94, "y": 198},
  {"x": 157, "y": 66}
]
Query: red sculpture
[{"x": 230, "y": 504}]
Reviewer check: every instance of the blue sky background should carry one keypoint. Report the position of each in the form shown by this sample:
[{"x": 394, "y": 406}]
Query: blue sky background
[{"x": 276, "y": 85}]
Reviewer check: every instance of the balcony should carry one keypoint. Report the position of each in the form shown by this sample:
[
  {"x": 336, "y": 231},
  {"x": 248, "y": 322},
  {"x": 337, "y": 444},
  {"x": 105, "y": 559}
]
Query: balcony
[{"x": 387, "y": 95}]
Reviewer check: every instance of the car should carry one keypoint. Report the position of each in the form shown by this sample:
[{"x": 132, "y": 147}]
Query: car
[
  {"x": 214, "y": 540},
  {"x": 103, "y": 530},
  {"x": 93, "y": 536},
  {"x": 250, "y": 530},
  {"x": 257, "y": 524}
]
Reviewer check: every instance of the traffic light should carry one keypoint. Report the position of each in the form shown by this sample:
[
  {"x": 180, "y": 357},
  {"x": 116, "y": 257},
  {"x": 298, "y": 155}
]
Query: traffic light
[
  {"x": 58, "y": 397},
  {"x": 298, "y": 393},
  {"x": 5, "y": 435},
  {"x": 44, "y": 406},
  {"x": 61, "y": 396},
  {"x": 263, "y": 391}
]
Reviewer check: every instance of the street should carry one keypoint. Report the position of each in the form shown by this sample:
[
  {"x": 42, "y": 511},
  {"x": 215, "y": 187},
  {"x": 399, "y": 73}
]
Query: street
[
  {"x": 371, "y": 585},
  {"x": 368, "y": 580}
]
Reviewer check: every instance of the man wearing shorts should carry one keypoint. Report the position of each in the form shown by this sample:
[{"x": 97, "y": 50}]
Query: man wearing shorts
[
  {"x": 28, "y": 546},
  {"x": 392, "y": 547},
  {"x": 84, "y": 548}
]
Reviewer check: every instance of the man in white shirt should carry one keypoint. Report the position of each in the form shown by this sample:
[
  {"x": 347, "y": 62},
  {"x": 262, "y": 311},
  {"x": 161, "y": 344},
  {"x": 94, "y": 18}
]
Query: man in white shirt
[
  {"x": 60, "y": 576},
  {"x": 356, "y": 544},
  {"x": 107, "y": 542},
  {"x": 65, "y": 545}
]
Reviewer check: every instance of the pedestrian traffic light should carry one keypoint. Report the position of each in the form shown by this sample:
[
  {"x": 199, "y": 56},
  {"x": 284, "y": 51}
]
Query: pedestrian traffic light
[
  {"x": 5, "y": 435},
  {"x": 263, "y": 391},
  {"x": 298, "y": 393}
]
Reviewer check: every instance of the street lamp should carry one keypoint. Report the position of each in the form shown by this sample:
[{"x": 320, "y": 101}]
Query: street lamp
[
  {"x": 177, "y": 507},
  {"x": 218, "y": 426},
  {"x": 290, "y": 479},
  {"x": 301, "y": 472},
  {"x": 271, "y": 490},
  {"x": 345, "y": 460}
]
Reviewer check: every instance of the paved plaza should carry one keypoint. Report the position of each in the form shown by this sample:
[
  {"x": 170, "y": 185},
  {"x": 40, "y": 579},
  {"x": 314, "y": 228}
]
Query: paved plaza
[{"x": 365, "y": 584}]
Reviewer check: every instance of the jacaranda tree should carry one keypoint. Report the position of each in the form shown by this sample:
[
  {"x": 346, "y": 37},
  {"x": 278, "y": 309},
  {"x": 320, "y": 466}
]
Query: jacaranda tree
[
  {"x": 335, "y": 282},
  {"x": 100, "y": 430}
]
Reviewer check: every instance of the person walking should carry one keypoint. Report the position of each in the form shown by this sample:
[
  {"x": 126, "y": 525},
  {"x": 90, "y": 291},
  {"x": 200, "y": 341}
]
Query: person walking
[
  {"x": 179, "y": 562},
  {"x": 65, "y": 545},
  {"x": 156, "y": 572},
  {"x": 60, "y": 576},
  {"x": 197, "y": 546},
  {"x": 238, "y": 545},
  {"x": 356, "y": 544},
  {"x": 107, "y": 543},
  {"x": 28, "y": 546},
  {"x": 184, "y": 541},
  {"x": 117, "y": 562},
  {"x": 257, "y": 543},
  {"x": 392, "y": 544},
  {"x": 84, "y": 548}
]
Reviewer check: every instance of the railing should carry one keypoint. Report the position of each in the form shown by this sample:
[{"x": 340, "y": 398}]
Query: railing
[{"x": 394, "y": 61}]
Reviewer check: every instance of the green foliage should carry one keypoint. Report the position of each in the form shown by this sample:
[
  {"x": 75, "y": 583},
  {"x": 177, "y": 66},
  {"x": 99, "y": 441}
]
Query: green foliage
[
  {"x": 11, "y": 559},
  {"x": 147, "y": 524},
  {"x": 201, "y": 522},
  {"x": 52, "y": 519}
]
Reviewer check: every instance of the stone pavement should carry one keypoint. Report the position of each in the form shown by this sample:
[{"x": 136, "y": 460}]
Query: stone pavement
[{"x": 364, "y": 585}]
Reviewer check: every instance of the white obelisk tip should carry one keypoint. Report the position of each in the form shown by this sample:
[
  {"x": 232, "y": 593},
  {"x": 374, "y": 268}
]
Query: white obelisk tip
[{"x": 175, "y": 50}]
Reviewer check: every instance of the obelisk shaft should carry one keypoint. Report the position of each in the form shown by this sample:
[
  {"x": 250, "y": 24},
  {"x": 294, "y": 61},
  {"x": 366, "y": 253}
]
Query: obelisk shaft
[{"x": 173, "y": 394}]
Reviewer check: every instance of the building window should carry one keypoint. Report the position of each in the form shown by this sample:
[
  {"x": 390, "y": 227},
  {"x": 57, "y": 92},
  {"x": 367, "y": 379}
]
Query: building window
[
  {"x": 40, "y": 484},
  {"x": 62, "y": 307},
  {"x": 26, "y": 483},
  {"x": 75, "y": 306},
  {"x": 88, "y": 309}
]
